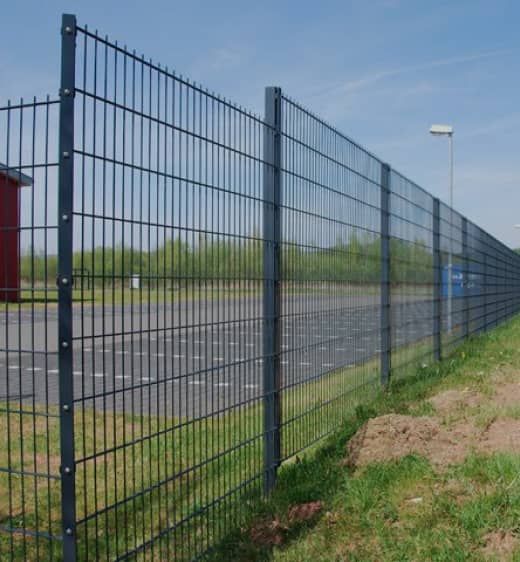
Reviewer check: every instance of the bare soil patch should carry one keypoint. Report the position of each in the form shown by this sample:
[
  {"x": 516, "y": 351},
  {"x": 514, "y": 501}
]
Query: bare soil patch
[
  {"x": 507, "y": 394},
  {"x": 499, "y": 545},
  {"x": 450, "y": 400},
  {"x": 393, "y": 436},
  {"x": 502, "y": 435}
]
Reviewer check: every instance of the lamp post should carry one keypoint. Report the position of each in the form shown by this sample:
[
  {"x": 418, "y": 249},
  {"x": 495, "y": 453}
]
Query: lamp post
[{"x": 447, "y": 131}]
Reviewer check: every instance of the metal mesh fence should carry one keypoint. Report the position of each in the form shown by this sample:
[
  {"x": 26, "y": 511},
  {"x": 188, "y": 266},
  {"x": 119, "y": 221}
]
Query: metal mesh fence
[
  {"x": 29, "y": 420},
  {"x": 192, "y": 294}
]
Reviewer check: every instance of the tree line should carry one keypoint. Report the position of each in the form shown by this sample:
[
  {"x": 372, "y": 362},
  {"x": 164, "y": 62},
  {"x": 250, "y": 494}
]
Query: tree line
[{"x": 358, "y": 261}]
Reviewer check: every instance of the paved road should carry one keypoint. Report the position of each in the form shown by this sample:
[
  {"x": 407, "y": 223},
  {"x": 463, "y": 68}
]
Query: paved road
[{"x": 191, "y": 359}]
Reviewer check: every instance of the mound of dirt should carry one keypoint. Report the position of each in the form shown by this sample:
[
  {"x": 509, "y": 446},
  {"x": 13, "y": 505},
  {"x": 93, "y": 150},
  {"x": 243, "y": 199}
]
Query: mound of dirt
[
  {"x": 450, "y": 400},
  {"x": 394, "y": 436}
]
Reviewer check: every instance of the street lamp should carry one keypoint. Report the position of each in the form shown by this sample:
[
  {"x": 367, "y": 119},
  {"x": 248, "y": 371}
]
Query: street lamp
[{"x": 447, "y": 131}]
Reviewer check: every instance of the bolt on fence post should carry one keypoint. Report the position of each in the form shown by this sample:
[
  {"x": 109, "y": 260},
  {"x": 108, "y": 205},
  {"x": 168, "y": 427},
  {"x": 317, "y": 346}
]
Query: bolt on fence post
[
  {"x": 271, "y": 276},
  {"x": 386, "y": 345},
  {"x": 465, "y": 278},
  {"x": 437, "y": 276},
  {"x": 65, "y": 358}
]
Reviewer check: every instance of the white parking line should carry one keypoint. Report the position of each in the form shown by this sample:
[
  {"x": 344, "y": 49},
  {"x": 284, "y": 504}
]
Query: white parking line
[
  {"x": 147, "y": 379},
  {"x": 123, "y": 352},
  {"x": 198, "y": 357},
  {"x": 178, "y": 356},
  {"x": 14, "y": 366},
  {"x": 304, "y": 363},
  {"x": 222, "y": 384},
  {"x": 98, "y": 375},
  {"x": 341, "y": 349},
  {"x": 327, "y": 364},
  {"x": 284, "y": 362},
  {"x": 53, "y": 371},
  {"x": 218, "y": 358},
  {"x": 251, "y": 386},
  {"x": 77, "y": 373},
  {"x": 158, "y": 354},
  {"x": 197, "y": 383},
  {"x": 123, "y": 376},
  {"x": 33, "y": 369}
]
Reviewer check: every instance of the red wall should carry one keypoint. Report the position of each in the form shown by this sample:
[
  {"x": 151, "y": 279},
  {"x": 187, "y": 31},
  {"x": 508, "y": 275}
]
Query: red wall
[{"x": 9, "y": 239}]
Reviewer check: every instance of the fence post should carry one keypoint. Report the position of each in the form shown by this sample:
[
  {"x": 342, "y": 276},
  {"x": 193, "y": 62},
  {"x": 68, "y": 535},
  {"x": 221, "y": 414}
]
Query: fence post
[
  {"x": 386, "y": 345},
  {"x": 271, "y": 276},
  {"x": 465, "y": 277},
  {"x": 437, "y": 279},
  {"x": 65, "y": 208}
]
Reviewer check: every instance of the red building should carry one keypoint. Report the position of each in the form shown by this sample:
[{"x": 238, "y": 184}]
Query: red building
[{"x": 11, "y": 180}]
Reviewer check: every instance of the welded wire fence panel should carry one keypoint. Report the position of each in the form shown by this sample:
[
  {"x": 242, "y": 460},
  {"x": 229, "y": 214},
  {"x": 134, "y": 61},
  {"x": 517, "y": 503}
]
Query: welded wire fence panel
[
  {"x": 411, "y": 274},
  {"x": 167, "y": 336},
  {"x": 331, "y": 271},
  {"x": 230, "y": 288},
  {"x": 30, "y": 527},
  {"x": 453, "y": 265}
]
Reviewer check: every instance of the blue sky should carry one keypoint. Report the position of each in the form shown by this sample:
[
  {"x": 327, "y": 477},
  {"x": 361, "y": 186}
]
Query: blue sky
[{"x": 382, "y": 71}]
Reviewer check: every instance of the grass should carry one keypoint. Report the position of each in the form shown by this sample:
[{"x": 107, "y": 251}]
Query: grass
[{"x": 373, "y": 514}]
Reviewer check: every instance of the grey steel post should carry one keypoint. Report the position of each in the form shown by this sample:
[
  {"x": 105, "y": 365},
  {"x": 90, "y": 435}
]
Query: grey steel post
[
  {"x": 465, "y": 278},
  {"x": 271, "y": 276},
  {"x": 65, "y": 208},
  {"x": 386, "y": 346},
  {"x": 437, "y": 276}
]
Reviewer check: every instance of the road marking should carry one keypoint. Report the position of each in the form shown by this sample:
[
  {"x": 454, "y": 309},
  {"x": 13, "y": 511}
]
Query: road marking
[
  {"x": 259, "y": 361},
  {"x": 284, "y": 362},
  {"x": 123, "y": 352},
  {"x": 218, "y": 358},
  {"x": 250, "y": 345},
  {"x": 14, "y": 366},
  {"x": 216, "y": 343},
  {"x": 284, "y": 346},
  {"x": 251, "y": 386},
  {"x": 222, "y": 384},
  {"x": 178, "y": 356},
  {"x": 304, "y": 363},
  {"x": 198, "y": 357},
  {"x": 323, "y": 348},
  {"x": 87, "y": 349},
  {"x": 183, "y": 341},
  {"x": 33, "y": 369},
  {"x": 53, "y": 371},
  {"x": 341, "y": 349},
  {"x": 78, "y": 373},
  {"x": 140, "y": 353},
  {"x": 122, "y": 376},
  {"x": 158, "y": 354},
  {"x": 197, "y": 383},
  {"x": 233, "y": 343},
  {"x": 327, "y": 364},
  {"x": 105, "y": 350},
  {"x": 98, "y": 375},
  {"x": 147, "y": 379},
  {"x": 198, "y": 341}
]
